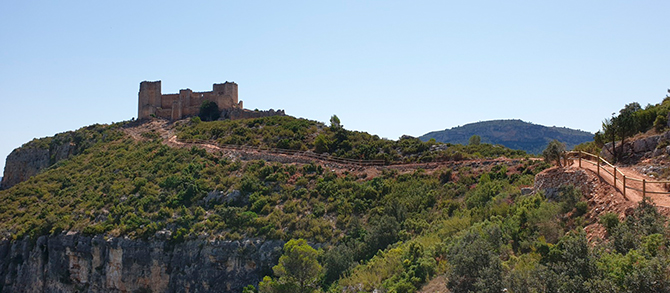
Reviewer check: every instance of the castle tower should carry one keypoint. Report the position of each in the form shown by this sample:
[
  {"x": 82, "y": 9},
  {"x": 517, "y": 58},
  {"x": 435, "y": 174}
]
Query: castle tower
[
  {"x": 225, "y": 95},
  {"x": 149, "y": 98},
  {"x": 182, "y": 103}
]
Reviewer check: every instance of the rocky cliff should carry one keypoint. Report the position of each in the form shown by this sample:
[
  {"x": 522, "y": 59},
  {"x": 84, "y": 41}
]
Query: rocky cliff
[
  {"x": 27, "y": 161},
  {"x": 39, "y": 154},
  {"x": 77, "y": 263}
]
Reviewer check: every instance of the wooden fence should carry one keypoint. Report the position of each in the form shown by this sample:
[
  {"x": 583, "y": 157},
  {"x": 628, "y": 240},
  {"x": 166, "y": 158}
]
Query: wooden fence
[{"x": 625, "y": 182}]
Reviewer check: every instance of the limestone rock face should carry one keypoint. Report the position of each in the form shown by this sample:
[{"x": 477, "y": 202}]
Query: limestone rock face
[
  {"x": 77, "y": 263},
  {"x": 647, "y": 147},
  {"x": 24, "y": 162}
]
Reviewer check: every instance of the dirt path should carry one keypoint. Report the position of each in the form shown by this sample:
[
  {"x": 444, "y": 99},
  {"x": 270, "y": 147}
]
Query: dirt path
[
  {"x": 166, "y": 131},
  {"x": 634, "y": 187}
]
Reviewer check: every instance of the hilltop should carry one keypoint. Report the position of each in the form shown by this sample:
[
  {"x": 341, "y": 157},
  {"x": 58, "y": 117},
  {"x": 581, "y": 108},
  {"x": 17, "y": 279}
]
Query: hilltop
[{"x": 514, "y": 134}]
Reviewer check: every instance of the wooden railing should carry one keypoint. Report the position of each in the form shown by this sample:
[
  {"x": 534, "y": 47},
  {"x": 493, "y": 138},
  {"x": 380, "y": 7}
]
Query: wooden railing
[{"x": 626, "y": 182}]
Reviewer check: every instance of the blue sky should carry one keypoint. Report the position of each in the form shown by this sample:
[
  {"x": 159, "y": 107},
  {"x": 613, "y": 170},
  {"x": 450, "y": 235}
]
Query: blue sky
[{"x": 386, "y": 67}]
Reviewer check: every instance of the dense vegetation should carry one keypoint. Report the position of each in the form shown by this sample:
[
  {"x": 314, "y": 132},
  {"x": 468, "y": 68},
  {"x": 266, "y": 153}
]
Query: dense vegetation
[
  {"x": 513, "y": 134},
  {"x": 124, "y": 187},
  {"x": 285, "y": 132},
  {"x": 392, "y": 230}
]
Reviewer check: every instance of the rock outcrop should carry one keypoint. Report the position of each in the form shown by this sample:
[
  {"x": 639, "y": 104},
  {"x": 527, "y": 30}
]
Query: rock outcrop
[
  {"x": 27, "y": 161},
  {"x": 77, "y": 263},
  {"x": 39, "y": 154},
  {"x": 646, "y": 147}
]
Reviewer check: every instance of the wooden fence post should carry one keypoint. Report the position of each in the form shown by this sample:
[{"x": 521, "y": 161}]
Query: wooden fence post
[
  {"x": 598, "y": 163},
  {"x": 614, "y": 178},
  {"x": 644, "y": 188},
  {"x": 624, "y": 186},
  {"x": 580, "y": 159}
]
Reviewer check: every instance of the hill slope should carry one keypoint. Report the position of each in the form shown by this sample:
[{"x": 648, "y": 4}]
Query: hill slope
[
  {"x": 131, "y": 210},
  {"x": 128, "y": 190},
  {"x": 514, "y": 134}
]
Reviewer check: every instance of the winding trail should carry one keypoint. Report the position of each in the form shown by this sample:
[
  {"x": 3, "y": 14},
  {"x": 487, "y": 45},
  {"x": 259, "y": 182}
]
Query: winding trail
[
  {"x": 166, "y": 130},
  {"x": 631, "y": 194}
]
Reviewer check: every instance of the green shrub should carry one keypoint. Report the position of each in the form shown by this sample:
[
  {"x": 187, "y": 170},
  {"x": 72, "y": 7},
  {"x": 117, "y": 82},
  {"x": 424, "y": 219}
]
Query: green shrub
[
  {"x": 610, "y": 221},
  {"x": 581, "y": 208}
]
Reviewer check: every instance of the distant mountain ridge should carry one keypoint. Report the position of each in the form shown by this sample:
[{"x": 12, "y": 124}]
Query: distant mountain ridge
[{"x": 513, "y": 133}]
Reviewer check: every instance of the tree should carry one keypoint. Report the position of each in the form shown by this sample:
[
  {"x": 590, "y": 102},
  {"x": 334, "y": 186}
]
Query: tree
[
  {"x": 554, "y": 152},
  {"x": 626, "y": 124},
  {"x": 475, "y": 262},
  {"x": 335, "y": 122},
  {"x": 298, "y": 270},
  {"x": 209, "y": 111},
  {"x": 609, "y": 130},
  {"x": 321, "y": 144},
  {"x": 475, "y": 140}
]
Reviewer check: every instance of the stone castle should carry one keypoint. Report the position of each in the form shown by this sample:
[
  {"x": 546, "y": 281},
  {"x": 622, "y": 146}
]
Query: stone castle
[{"x": 187, "y": 102}]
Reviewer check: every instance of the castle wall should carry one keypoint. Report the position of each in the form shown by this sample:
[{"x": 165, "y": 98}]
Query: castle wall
[
  {"x": 164, "y": 113},
  {"x": 191, "y": 111},
  {"x": 187, "y": 102},
  {"x": 168, "y": 100}
]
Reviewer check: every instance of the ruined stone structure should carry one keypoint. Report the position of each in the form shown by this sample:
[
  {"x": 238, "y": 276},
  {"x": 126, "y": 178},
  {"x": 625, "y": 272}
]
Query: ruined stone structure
[{"x": 185, "y": 103}]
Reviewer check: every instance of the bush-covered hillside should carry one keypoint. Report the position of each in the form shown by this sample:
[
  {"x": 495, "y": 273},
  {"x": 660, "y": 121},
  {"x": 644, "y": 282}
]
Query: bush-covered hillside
[
  {"x": 387, "y": 228},
  {"x": 514, "y": 134},
  {"x": 287, "y": 132},
  {"x": 122, "y": 186}
]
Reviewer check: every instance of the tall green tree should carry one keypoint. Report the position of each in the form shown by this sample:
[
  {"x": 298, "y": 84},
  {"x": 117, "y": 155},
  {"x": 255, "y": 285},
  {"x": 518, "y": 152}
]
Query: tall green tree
[
  {"x": 335, "y": 123},
  {"x": 298, "y": 270}
]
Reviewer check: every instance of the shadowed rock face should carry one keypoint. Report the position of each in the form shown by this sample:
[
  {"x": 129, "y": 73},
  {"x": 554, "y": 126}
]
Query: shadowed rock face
[{"x": 69, "y": 263}]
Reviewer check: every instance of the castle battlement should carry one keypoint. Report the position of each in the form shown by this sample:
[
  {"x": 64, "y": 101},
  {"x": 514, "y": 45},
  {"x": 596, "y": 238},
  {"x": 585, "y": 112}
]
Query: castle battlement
[{"x": 187, "y": 102}]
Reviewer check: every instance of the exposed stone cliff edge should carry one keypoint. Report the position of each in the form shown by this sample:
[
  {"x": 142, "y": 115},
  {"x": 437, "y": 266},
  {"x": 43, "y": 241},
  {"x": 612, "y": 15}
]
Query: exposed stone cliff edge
[
  {"x": 27, "y": 161},
  {"x": 77, "y": 263}
]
